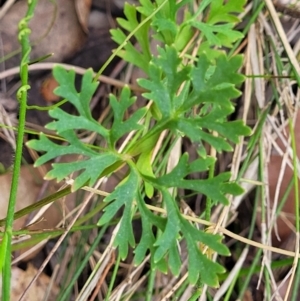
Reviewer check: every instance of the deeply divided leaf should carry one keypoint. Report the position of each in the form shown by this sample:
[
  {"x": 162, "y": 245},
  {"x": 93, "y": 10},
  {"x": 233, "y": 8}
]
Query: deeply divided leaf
[
  {"x": 121, "y": 126},
  {"x": 191, "y": 97},
  {"x": 123, "y": 196}
]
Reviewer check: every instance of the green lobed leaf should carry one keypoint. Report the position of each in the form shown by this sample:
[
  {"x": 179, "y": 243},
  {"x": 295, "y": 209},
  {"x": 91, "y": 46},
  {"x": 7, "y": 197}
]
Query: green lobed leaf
[
  {"x": 89, "y": 169},
  {"x": 120, "y": 126},
  {"x": 169, "y": 237},
  {"x": 164, "y": 22},
  {"x": 147, "y": 7},
  {"x": 166, "y": 74},
  {"x": 225, "y": 11},
  {"x": 192, "y": 129},
  {"x": 212, "y": 187},
  {"x": 167, "y": 243},
  {"x": 215, "y": 82},
  {"x": 81, "y": 101},
  {"x": 93, "y": 163},
  {"x": 66, "y": 89},
  {"x": 158, "y": 91},
  {"x": 174, "y": 260},
  {"x": 149, "y": 220},
  {"x": 130, "y": 52},
  {"x": 211, "y": 33},
  {"x": 185, "y": 32},
  {"x": 219, "y": 22},
  {"x": 66, "y": 121},
  {"x": 166, "y": 26},
  {"x": 190, "y": 101},
  {"x": 125, "y": 235},
  {"x": 215, "y": 120},
  {"x": 123, "y": 196},
  {"x": 200, "y": 265},
  {"x": 53, "y": 150},
  {"x": 144, "y": 165},
  {"x": 172, "y": 67},
  {"x": 213, "y": 241},
  {"x": 130, "y": 24}
]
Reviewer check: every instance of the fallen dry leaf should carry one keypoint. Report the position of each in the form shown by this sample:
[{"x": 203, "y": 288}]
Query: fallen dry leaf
[
  {"x": 28, "y": 191},
  {"x": 21, "y": 279},
  {"x": 83, "y": 8},
  {"x": 247, "y": 296},
  {"x": 48, "y": 85},
  {"x": 55, "y": 28}
]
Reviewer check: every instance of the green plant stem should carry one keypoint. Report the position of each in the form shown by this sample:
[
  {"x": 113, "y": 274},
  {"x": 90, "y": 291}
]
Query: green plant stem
[
  {"x": 150, "y": 286},
  {"x": 5, "y": 249},
  {"x": 246, "y": 29},
  {"x": 257, "y": 256},
  {"x": 231, "y": 287},
  {"x": 208, "y": 204},
  {"x": 295, "y": 174},
  {"x": 296, "y": 189},
  {"x": 181, "y": 290},
  {"x": 113, "y": 277},
  {"x": 47, "y": 200},
  {"x": 196, "y": 294},
  {"x": 83, "y": 264},
  {"x": 260, "y": 193},
  {"x": 253, "y": 142},
  {"x": 267, "y": 288},
  {"x": 295, "y": 293}
]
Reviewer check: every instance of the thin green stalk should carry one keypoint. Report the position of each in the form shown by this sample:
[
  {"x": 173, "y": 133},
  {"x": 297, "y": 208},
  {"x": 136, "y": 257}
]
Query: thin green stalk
[
  {"x": 250, "y": 235},
  {"x": 181, "y": 290},
  {"x": 296, "y": 188},
  {"x": 246, "y": 29},
  {"x": 295, "y": 293},
  {"x": 47, "y": 200},
  {"x": 257, "y": 256},
  {"x": 208, "y": 203},
  {"x": 113, "y": 277},
  {"x": 268, "y": 292},
  {"x": 260, "y": 193},
  {"x": 231, "y": 287},
  {"x": 295, "y": 174},
  {"x": 150, "y": 286},
  {"x": 196, "y": 295},
  {"x": 5, "y": 248},
  {"x": 74, "y": 261},
  {"x": 253, "y": 142},
  {"x": 245, "y": 271},
  {"x": 255, "y": 268},
  {"x": 95, "y": 244}
]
